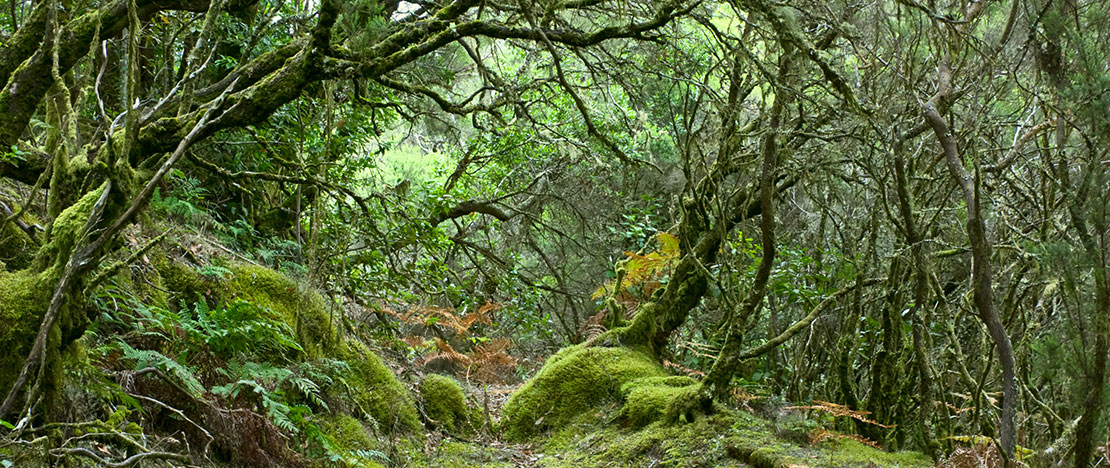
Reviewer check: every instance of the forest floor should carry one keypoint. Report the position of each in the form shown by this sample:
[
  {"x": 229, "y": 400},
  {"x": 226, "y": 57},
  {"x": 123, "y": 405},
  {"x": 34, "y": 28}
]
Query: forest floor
[
  {"x": 264, "y": 315},
  {"x": 759, "y": 436}
]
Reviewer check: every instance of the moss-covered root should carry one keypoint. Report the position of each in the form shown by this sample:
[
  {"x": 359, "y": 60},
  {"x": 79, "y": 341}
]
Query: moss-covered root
[
  {"x": 573, "y": 382},
  {"x": 669, "y": 399},
  {"x": 445, "y": 404},
  {"x": 762, "y": 452},
  {"x": 376, "y": 391}
]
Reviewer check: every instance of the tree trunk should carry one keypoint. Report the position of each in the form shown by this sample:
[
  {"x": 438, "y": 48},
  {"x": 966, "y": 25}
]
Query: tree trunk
[{"x": 982, "y": 277}]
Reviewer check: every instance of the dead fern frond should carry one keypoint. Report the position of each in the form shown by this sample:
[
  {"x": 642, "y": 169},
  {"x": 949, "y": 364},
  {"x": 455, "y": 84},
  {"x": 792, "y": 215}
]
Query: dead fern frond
[
  {"x": 841, "y": 411},
  {"x": 976, "y": 441},
  {"x": 415, "y": 341},
  {"x": 860, "y": 439},
  {"x": 685, "y": 370},
  {"x": 487, "y": 311},
  {"x": 976, "y": 456},
  {"x": 445, "y": 351},
  {"x": 593, "y": 326},
  {"x": 953, "y": 408},
  {"x": 821, "y": 434},
  {"x": 818, "y": 435},
  {"x": 491, "y": 361},
  {"x": 741, "y": 396}
]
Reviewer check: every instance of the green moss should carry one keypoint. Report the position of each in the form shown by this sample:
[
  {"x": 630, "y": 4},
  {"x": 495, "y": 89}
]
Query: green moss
[
  {"x": 457, "y": 454},
  {"x": 352, "y": 441},
  {"x": 182, "y": 283},
  {"x": 373, "y": 388},
  {"x": 445, "y": 403},
  {"x": 24, "y": 298},
  {"x": 16, "y": 248},
  {"x": 64, "y": 231},
  {"x": 146, "y": 286},
  {"x": 725, "y": 439},
  {"x": 849, "y": 452},
  {"x": 348, "y": 432},
  {"x": 301, "y": 307},
  {"x": 685, "y": 445},
  {"x": 650, "y": 399},
  {"x": 638, "y": 332},
  {"x": 574, "y": 381},
  {"x": 376, "y": 391},
  {"x": 760, "y": 448}
]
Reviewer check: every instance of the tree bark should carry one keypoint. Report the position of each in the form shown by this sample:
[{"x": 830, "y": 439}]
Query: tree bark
[{"x": 982, "y": 277}]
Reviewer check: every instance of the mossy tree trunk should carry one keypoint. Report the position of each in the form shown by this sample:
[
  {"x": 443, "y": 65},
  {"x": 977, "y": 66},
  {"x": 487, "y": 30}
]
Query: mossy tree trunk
[
  {"x": 1090, "y": 221},
  {"x": 702, "y": 228},
  {"x": 717, "y": 382},
  {"x": 922, "y": 274}
]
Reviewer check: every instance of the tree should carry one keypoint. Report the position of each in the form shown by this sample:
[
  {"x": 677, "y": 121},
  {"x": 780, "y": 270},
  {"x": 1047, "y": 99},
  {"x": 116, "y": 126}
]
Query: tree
[{"x": 103, "y": 172}]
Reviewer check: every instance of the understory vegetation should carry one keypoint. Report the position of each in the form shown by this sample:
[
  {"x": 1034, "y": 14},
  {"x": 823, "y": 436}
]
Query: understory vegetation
[{"x": 554, "y": 233}]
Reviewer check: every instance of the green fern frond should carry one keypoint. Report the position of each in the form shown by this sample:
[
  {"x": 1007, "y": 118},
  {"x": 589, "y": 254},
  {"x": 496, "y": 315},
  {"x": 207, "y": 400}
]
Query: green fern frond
[{"x": 145, "y": 358}]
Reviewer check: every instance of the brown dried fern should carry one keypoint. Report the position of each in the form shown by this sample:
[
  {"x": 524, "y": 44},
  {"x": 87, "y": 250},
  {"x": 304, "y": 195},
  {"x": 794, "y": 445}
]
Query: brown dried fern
[{"x": 841, "y": 410}]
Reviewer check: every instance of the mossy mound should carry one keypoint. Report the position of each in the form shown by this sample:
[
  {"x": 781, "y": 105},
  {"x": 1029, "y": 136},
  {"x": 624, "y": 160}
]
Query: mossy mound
[
  {"x": 650, "y": 399},
  {"x": 725, "y": 439},
  {"x": 574, "y": 381},
  {"x": 300, "y": 307},
  {"x": 373, "y": 388},
  {"x": 376, "y": 391},
  {"x": 353, "y": 442},
  {"x": 181, "y": 283},
  {"x": 757, "y": 446},
  {"x": 445, "y": 403},
  {"x": 24, "y": 297}
]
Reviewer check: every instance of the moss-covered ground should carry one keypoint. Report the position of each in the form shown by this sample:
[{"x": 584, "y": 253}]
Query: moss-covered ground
[
  {"x": 725, "y": 439},
  {"x": 576, "y": 381}
]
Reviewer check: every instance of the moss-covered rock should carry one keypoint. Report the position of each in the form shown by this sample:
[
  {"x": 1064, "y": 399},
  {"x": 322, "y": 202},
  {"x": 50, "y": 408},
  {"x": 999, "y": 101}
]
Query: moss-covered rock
[
  {"x": 574, "y": 381},
  {"x": 299, "y": 306},
  {"x": 182, "y": 283},
  {"x": 651, "y": 399},
  {"x": 375, "y": 391},
  {"x": 373, "y": 388},
  {"x": 445, "y": 403}
]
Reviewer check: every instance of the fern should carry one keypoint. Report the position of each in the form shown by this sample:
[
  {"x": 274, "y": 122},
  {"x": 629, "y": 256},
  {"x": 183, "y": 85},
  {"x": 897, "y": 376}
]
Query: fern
[
  {"x": 214, "y": 272},
  {"x": 145, "y": 358},
  {"x": 645, "y": 272},
  {"x": 270, "y": 384},
  {"x": 841, "y": 411},
  {"x": 339, "y": 455},
  {"x": 244, "y": 330}
]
